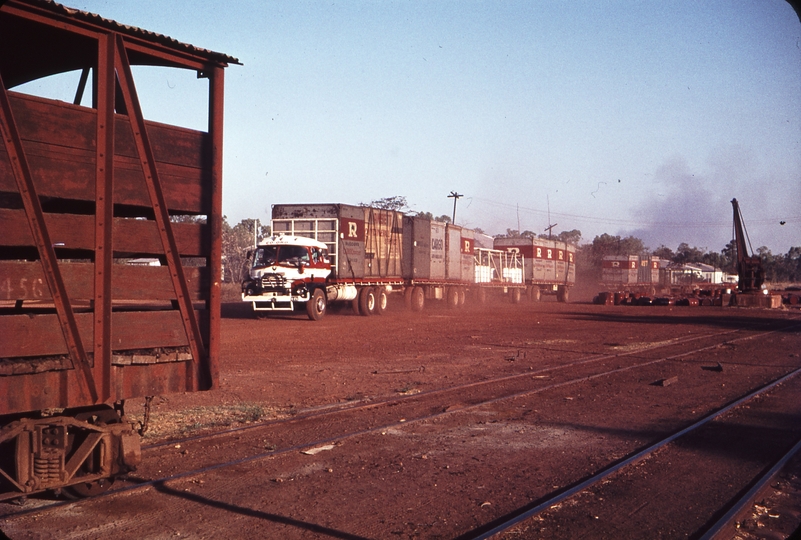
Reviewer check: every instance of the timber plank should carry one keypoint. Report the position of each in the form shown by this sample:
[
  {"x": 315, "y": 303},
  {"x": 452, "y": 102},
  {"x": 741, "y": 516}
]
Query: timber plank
[
  {"x": 25, "y": 281},
  {"x": 36, "y": 118},
  {"x": 40, "y": 335},
  {"x": 76, "y": 231},
  {"x": 69, "y": 173},
  {"x": 58, "y": 389}
]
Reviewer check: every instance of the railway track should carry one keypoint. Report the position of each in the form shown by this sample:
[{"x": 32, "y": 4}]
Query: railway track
[
  {"x": 167, "y": 463},
  {"x": 708, "y": 531}
]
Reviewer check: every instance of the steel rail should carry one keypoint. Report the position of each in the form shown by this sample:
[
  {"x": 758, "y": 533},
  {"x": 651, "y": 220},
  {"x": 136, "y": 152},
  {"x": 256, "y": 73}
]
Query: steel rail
[
  {"x": 367, "y": 403},
  {"x": 717, "y": 529},
  {"x": 631, "y": 460}
]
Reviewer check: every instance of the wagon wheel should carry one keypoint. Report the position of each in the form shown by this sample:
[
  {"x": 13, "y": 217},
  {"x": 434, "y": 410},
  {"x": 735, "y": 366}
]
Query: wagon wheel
[
  {"x": 88, "y": 489},
  {"x": 462, "y": 296}
]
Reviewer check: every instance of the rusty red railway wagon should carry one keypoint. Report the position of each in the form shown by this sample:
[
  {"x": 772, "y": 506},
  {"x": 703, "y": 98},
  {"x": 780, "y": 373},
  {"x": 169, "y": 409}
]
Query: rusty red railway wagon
[{"x": 86, "y": 188}]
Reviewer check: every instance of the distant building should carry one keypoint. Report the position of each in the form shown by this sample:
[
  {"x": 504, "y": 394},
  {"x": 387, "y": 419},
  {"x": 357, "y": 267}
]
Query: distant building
[{"x": 700, "y": 273}]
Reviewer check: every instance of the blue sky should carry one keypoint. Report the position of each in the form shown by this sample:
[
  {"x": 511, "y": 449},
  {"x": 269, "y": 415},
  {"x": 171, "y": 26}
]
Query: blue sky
[{"x": 626, "y": 117}]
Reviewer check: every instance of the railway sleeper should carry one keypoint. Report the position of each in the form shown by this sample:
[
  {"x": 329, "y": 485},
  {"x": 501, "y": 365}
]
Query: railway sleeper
[{"x": 81, "y": 451}]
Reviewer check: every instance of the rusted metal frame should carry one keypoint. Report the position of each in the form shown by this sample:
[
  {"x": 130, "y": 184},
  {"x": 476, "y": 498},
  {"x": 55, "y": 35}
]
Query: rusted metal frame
[
  {"x": 8, "y": 436},
  {"x": 47, "y": 254},
  {"x": 81, "y": 86},
  {"x": 48, "y": 17},
  {"x": 104, "y": 212},
  {"x": 83, "y": 452},
  {"x": 13, "y": 482},
  {"x": 216, "y": 102},
  {"x": 159, "y": 207},
  {"x": 177, "y": 57}
]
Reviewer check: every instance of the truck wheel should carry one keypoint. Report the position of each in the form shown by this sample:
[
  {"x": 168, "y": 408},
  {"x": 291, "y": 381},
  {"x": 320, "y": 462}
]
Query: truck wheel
[
  {"x": 562, "y": 294},
  {"x": 315, "y": 307},
  {"x": 452, "y": 297},
  {"x": 354, "y": 304},
  {"x": 514, "y": 295},
  {"x": 481, "y": 295},
  {"x": 418, "y": 298},
  {"x": 366, "y": 301},
  {"x": 381, "y": 300},
  {"x": 462, "y": 296},
  {"x": 534, "y": 293}
]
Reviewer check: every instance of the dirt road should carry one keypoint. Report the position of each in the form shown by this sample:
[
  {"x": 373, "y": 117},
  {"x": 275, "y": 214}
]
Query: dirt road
[{"x": 441, "y": 424}]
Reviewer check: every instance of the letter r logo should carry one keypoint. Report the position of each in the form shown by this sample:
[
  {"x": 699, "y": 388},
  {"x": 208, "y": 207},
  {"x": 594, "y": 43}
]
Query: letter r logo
[{"x": 352, "y": 229}]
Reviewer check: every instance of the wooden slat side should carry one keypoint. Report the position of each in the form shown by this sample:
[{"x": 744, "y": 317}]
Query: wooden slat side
[
  {"x": 40, "y": 335},
  {"x": 25, "y": 281},
  {"x": 68, "y": 173},
  {"x": 130, "y": 235},
  {"x": 171, "y": 144},
  {"x": 37, "y": 391}
]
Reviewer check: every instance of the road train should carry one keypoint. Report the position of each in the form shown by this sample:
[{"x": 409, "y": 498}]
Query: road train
[{"x": 321, "y": 254}]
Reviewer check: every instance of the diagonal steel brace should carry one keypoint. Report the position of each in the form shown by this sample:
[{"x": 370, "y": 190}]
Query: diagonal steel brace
[
  {"x": 148, "y": 162},
  {"x": 47, "y": 255}
]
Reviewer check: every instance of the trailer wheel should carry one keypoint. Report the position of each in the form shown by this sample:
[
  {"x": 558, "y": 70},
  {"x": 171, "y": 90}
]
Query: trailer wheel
[
  {"x": 407, "y": 297},
  {"x": 481, "y": 295},
  {"x": 514, "y": 295},
  {"x": 462, "y": 296},
  {"x": 418, "y": 299},
  {"x": 534, "y": 293},
  {"x": 366, "y": 301},
  {"x": 315, "y": 307},
  {"x": 452, "y": 297},
  {"x": 562, "y": 294},
  {"x": 381, "y": 300}
]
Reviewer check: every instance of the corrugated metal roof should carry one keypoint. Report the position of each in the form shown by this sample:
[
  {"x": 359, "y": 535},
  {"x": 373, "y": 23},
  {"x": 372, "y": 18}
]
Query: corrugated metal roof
[{"x": 147, "y": 35}]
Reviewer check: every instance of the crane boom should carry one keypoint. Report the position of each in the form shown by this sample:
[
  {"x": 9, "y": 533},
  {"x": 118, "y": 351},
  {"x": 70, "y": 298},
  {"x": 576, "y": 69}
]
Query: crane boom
[{"x": 749, "y": 267}]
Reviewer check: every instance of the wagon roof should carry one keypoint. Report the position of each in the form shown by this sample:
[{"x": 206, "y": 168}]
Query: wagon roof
[{"x": 30, "y": 50}]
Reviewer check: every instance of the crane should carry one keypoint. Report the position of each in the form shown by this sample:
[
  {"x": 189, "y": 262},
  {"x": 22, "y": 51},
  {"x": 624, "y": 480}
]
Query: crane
[{"x": 749, "y": 267}]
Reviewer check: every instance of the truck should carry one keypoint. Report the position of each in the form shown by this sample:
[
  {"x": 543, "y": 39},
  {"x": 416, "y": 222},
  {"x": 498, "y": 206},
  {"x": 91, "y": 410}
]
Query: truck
[
  {"x": 551, "y": 268},
  {"x": 327, "y": 254}
]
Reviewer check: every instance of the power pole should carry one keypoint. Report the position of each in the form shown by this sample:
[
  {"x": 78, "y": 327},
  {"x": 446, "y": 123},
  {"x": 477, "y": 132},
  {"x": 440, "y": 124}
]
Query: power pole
[
  {"x": 455, "y": 196},
  {"x": 550, "y": 226}
]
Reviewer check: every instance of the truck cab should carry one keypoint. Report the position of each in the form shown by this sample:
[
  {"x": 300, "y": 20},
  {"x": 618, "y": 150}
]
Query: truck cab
[{"x": 286, "y": 270}]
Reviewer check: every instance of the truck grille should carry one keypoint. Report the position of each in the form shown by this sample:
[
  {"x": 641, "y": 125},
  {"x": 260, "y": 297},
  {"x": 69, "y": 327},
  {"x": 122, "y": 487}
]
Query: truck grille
[{"x": 273, "y": 282}]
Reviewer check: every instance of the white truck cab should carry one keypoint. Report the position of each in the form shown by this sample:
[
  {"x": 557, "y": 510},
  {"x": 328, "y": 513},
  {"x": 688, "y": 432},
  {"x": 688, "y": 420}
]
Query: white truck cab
[{"x": 287, "y": 270}]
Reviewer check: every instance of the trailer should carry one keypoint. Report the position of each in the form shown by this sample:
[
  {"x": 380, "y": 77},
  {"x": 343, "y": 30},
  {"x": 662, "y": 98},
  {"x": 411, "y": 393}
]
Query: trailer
[
  {"x": 325, "y": 254},
  {"x": 634, "y": 274},
  {"x": 551, "y": 268},
  {"x": 83, "y": 191}
]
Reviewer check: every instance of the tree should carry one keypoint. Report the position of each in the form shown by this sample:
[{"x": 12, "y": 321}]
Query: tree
[
  {"x": 236, "y": 241},
  {"x": 397, "y": 203},
  {"x": 664, "y": 252},
  {"x": 569, "y": 237},
  {"x": 430, "y": 217},
  {"x": 686, "y": 254}
]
